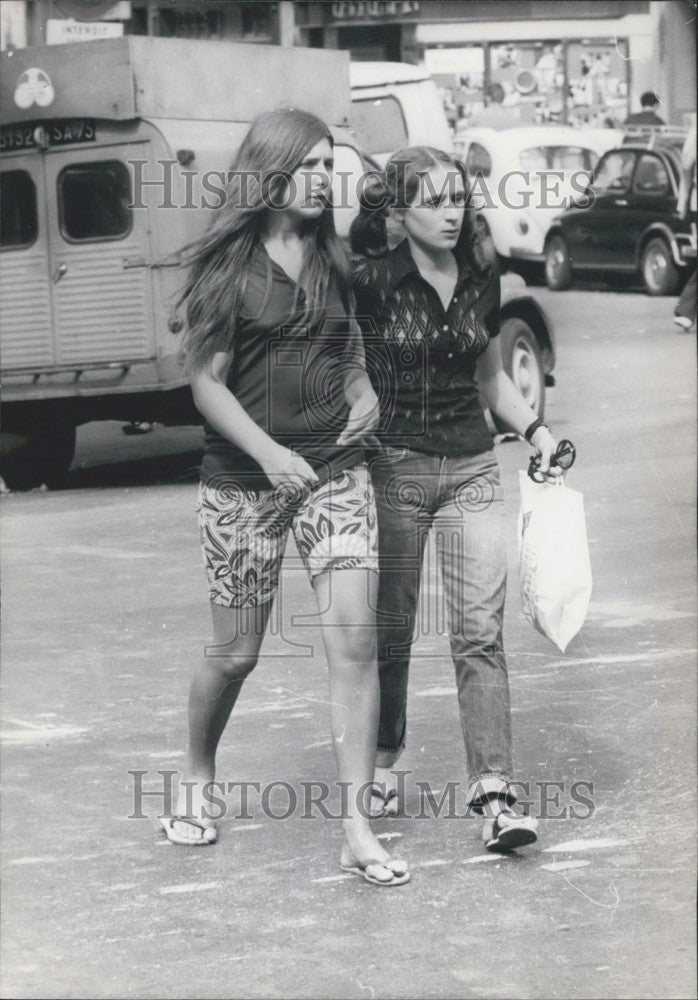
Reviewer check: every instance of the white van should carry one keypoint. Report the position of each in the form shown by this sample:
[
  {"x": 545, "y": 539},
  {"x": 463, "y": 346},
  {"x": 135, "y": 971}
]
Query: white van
[{"x": 396, "y": 105}]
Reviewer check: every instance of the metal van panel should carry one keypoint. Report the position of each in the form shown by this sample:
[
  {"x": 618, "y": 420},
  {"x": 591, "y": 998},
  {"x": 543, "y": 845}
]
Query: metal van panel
[
  {"x": 102, "y": 311},
  {"x": 102, "y": 302},
  {"x": 123, "y": 78},
  {"x": 89, "y": 80},
  {"x": 25, "y": 306}
]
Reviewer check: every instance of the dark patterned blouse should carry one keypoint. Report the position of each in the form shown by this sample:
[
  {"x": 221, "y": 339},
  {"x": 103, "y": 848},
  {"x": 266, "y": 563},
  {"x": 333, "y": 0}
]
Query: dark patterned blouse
[{"x": 421, "y": 357}]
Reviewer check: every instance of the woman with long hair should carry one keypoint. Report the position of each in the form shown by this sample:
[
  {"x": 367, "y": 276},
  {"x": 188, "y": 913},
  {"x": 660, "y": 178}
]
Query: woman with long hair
[
  {"x": 429, "y": 309},
  {"x": 277, "y": 370}
]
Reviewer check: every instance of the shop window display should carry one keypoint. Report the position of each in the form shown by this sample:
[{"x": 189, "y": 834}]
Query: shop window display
[
  {"x": 532, "y": 75},
  {"x": 557, "y": 82},
  {"x": 459, "y": 72},
  {"x": 598, "y": 83}
]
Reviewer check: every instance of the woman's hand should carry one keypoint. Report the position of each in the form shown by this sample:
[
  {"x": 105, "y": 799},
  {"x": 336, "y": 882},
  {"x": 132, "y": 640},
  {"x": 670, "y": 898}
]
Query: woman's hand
[
  {"x": 362, "y": 420},
  {"x": 284, "y": 467},
  {"x": 546, "y": 446}
]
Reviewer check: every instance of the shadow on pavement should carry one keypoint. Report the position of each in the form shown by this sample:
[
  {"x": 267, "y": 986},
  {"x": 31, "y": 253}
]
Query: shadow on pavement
[{"x": 149, "y": 471}]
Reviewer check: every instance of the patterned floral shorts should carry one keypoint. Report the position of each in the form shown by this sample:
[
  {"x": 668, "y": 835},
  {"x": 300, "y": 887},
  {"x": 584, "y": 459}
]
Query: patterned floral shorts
[{"x": 244, "y": 533}]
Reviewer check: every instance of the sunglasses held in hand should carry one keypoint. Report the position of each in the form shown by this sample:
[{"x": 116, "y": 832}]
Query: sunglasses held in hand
[{"x": 564, "y": 458}]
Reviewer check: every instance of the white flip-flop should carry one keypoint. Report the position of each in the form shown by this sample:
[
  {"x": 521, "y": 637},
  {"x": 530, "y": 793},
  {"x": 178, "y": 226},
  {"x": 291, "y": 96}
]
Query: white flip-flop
[{"x": 207, "y": 834}]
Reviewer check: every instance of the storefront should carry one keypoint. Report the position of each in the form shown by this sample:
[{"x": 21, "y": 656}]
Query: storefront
[
  {"x": 583, "y": 81},
  {"x": 581, "y": 62},
  {"x": 39, "y": 22}
]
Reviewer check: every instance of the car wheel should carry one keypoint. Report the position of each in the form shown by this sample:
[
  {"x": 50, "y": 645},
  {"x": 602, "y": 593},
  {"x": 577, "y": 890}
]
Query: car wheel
[
  {"x": 35, "y": 453},
  {"x": 659, "y": 273},
  {"x": 558, "y": 269},
  {"x": 523, "y": 365}
]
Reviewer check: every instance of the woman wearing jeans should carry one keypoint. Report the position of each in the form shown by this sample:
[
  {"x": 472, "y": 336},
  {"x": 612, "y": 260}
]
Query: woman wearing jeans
[{"x": 429, "y": 309}]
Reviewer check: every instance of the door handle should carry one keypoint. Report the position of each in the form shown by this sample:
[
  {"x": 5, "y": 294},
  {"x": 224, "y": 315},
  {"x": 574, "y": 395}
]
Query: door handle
[
  {"x": 58, "y": 273},
  {"x": 620, "y": 201}
]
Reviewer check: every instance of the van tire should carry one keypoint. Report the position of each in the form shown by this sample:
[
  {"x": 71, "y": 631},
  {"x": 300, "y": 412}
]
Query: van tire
[
  {"x": 522, "y": 363},
  {"x": 35, "y": 452}
]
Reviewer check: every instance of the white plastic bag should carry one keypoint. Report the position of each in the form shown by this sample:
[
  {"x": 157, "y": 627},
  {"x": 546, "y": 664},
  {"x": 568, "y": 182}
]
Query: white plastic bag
[{"x": 554, "y": 567}]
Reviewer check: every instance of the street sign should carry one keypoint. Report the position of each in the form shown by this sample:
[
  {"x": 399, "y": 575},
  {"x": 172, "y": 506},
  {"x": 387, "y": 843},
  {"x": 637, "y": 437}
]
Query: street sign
[{"x": 59, "y": 31}]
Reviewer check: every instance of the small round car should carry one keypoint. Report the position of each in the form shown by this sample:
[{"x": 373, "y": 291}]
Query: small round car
[
  {"x": 524, "y": 177},
  {"x": 626, "y": 225}
]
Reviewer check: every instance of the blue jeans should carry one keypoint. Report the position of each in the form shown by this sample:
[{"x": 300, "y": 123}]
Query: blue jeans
[
  {"x": 461, "y": 500},
  {"x": 686, "y": 306}
]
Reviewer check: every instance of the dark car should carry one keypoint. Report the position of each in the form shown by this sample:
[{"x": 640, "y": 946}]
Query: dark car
[{"x": 631, "y": 226}]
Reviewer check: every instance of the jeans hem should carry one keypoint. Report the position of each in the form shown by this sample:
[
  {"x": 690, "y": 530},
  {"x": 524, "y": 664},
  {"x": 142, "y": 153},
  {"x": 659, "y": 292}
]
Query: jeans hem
[
  {"x": 486, "y": 785},
  {"x": 388, "y": 756}
]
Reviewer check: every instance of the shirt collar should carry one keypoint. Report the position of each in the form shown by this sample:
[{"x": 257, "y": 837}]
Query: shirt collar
[{"x": 402, "y": 263}]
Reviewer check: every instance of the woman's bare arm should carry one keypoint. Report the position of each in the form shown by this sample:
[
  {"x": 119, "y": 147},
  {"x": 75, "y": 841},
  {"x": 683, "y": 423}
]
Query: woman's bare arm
[
  {"x": 218, "y": 405},
  {"x": 500, "y": 394}
]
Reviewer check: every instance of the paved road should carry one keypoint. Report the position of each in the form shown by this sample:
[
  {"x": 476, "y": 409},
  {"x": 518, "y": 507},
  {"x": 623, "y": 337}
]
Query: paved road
[{"x": 105, "y": 613}]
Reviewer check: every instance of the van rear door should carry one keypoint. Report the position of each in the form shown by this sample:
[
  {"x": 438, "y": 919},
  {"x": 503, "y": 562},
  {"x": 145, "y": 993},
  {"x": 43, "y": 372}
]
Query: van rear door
[
  {"x": 99, "y": 252},
  {"x": 25, "y": 300}
]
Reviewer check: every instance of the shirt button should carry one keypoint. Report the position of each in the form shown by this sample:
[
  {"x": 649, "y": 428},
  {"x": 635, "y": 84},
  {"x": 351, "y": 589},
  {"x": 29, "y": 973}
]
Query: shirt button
[
  {"x": 445, "y": 327},
  {"x": 455, "y": 300},
  {"x": 450, "y": 355}
]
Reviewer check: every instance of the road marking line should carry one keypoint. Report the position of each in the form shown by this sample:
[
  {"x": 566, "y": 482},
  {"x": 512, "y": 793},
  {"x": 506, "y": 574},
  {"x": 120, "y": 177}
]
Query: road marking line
[
  {"x": 189, "y": 887},
  {"x": 587, "y": 845},
  {"x": 560, "y": 866}
]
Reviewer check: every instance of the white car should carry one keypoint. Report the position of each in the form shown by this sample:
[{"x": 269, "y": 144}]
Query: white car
[{"x": 524, "y": 177}]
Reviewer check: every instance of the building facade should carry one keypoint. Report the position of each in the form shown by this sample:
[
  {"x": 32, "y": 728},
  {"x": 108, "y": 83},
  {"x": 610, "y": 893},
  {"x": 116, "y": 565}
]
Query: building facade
[
  {"x": 38, "y": 22},
  {"x": 582, "y": 62}
]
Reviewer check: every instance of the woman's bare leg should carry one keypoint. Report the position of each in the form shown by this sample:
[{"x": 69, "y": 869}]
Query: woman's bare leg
[
  {"x": 215, "y": 685},
  {"x": 346, "y": 600}
]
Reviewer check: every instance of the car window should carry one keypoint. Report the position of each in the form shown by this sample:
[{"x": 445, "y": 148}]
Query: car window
[
  {"x": 93, "y": 200},
  {"x": 565, "y": 158},
  {"x": 651, "y": 176},
  {"x": 478, "y": 160},
  {"x": 534, "y": 158},
  {"x": 18, "y": 219},
  {"x": 568, "y": 158},
  {"x": 379, "y": 124},
  {"x": 614, "y": 172}
]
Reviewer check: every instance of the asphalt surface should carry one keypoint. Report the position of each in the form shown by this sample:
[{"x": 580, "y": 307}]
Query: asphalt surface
[{"x": 105, "y": 613}]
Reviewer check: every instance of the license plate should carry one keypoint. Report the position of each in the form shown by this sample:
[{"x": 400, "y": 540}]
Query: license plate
[{"x": 54, "y": 133}]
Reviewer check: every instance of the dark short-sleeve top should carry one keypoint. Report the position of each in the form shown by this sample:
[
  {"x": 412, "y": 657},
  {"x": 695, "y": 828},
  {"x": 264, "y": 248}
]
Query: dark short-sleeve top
[
  {"x": 422, "y": 358},
  {"x": 288, "y": 372}
]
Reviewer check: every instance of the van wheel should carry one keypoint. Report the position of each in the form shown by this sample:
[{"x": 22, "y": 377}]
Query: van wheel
[
  {"x": 660, "y": 275},
  {"x": 523, "y": 365},
  {"x": 558, "y": 268},
  {"x": 36, "y": 452}
]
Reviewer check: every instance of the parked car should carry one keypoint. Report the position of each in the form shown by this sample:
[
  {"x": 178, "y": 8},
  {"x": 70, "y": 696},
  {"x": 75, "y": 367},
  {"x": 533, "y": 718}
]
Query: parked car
[
  {"x": 395, "y": 105},
  {"x": 630, "y": 225},
  {"x": 528, "y": 344},
  {"x": 523, "y": 177}
]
